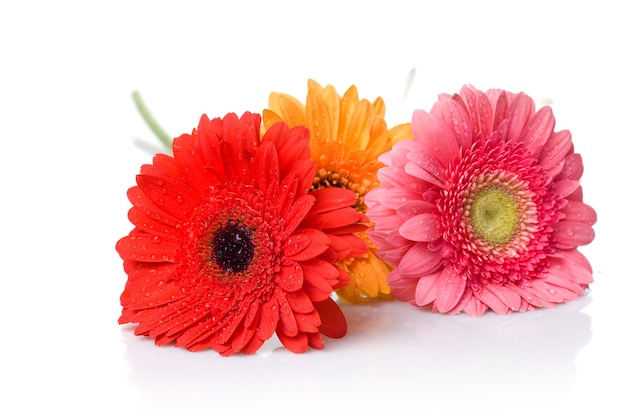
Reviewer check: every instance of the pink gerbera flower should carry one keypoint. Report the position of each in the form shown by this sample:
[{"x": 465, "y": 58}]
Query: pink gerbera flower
[{"x": 483, "y": 209}]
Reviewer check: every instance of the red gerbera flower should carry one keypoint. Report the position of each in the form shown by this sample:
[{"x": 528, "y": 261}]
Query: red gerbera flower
[
  {"x": 230, "y": 247},
  {"x": 484, "y": 208}
]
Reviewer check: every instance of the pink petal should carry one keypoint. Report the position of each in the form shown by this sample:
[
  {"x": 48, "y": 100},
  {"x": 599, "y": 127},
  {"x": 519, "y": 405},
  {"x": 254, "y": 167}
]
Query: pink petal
[
  {"x": 398, "y": 153},
  {"x": 455, "y": 117},
  {"x": 422, "y": 228},
  {"x": 475, "y": 307},
  {"x": 546, "y": 291},
  {"x": 538, "y": 130},
  {"x": 579, "y": 211},
  {"x": 479, "y": 109},
  {"x": 426, "y": 289},
  {"x": 465, "y": 299},
  {"x": 522, "y": 107},
  {"x": 533, "y": 296},
  {"x": 419, "y": 261},
  {"x": 423, "y": 166},
  {"x": 402, "y": 288},
  {"x": 442, "y": 129},
  {"x": 492, "y": 300},
  {"x": 569, "y": 234},
  {"x": 566, "y": 187},
  {"x": 563, "y": 281},
  {"x": 555, "y": 149},
  {"x": 508, "y": 296},
  {"x": 415, "y": 207},
  {"x": 397, "y": 196},
  {"x": 389, "y": 222},
  {"x": 499, "y": 103},
  {"x": 450, "y": 288},
  {"x": 392, "y": 255},
  {"x": 572, "y": 168},
  {"x": 573, "y": 266}
]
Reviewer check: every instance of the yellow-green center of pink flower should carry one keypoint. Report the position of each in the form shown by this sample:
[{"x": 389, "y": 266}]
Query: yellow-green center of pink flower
[{"x": 494, "y": 215}]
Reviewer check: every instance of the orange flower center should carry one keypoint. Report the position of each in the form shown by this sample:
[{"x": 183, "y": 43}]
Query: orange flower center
[{"x": 341, "y": 179}]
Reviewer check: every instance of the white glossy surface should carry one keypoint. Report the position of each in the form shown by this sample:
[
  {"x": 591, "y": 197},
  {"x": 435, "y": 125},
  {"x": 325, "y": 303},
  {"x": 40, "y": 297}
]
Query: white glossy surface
[{"x": 68, "y": 124}]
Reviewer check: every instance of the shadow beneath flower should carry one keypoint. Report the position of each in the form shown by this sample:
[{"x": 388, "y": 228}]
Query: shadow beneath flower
[
  {"x": 494, "y": 357},
  {"x": 393, "y": 353}
]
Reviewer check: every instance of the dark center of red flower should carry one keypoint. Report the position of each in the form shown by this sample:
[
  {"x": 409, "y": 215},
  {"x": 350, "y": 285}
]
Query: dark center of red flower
[{"x": 233, "y": 248}]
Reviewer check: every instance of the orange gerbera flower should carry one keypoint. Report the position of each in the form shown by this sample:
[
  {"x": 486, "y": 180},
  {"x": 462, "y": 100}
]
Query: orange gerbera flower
[{"x": 347, "y": 136}]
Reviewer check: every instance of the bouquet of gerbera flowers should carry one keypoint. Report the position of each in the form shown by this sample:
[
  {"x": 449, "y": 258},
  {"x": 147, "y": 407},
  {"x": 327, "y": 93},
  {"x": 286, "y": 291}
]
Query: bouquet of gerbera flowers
[{"x": 249, "y": 228}]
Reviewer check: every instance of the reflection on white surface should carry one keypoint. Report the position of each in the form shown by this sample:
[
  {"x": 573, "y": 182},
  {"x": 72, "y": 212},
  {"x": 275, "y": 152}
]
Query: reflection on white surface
[{"x": 393, "y": 353}]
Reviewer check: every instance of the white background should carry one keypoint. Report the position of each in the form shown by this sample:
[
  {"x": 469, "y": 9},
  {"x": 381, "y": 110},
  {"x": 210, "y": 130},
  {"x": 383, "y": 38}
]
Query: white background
[{"x": 68, "y": 127}]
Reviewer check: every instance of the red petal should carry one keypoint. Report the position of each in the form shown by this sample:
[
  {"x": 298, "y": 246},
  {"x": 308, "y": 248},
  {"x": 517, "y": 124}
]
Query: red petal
[
  {"x": 290, "y": 277},
  {"x": 305, "y": 244},
  {"x": 331, "y": 219},
  {"x": 144, "y": 248},
  {"x": 315, "y": 340},
  {"x": 298, "y": 212},
  {"x": 333, "y": 321},
  {"x": 287, "y": 322},
  {"x": 145, "y": 205},
  {"x": 174, "y": 198},
  {"x": 347, "y": 246},
  {"x": 308, "y": 322},
  {"x": 148, "y": 224},
  {"x": 329, "y": 199},
  {"x": 253, "y": 345},
  {"x": 299, "y": 302},
  {"x": 286, "y": 195},
  {"x": 316, "y": 286},
  {"x": 266, "y": 169},
  {"x": 192, "y": 166},
  {"x": 148, "y": 272},
  {"x": 297, "y": 343},
  {"x": 268, "y": 320},
  {"x": 152, "y": 297}
]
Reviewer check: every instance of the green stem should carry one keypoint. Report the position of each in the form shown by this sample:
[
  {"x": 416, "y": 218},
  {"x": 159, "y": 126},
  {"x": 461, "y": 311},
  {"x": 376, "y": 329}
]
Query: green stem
[{"x": 152, "y": 123}]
